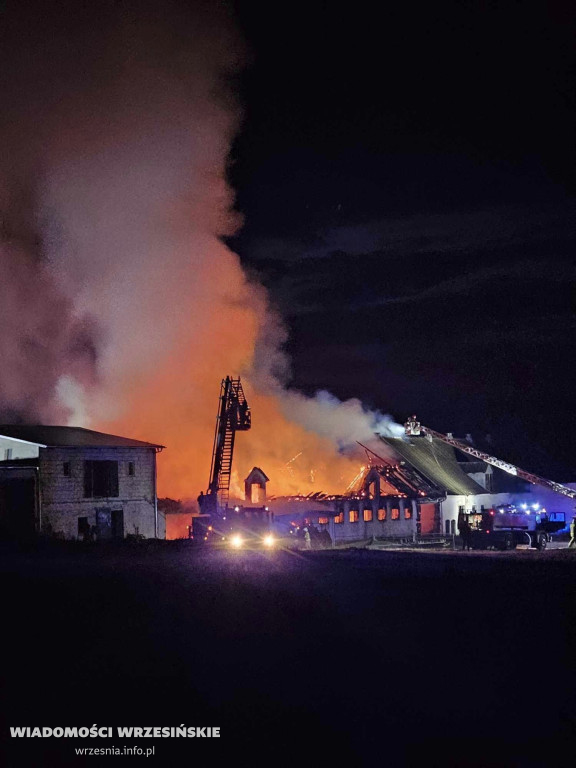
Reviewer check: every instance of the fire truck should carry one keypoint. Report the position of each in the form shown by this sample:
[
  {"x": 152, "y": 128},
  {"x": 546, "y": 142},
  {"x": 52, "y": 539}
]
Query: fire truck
[
  {"x": 218, "y": 523},
  {"x": 507, "y": 526},
  {"x": 504, "y": 527}
]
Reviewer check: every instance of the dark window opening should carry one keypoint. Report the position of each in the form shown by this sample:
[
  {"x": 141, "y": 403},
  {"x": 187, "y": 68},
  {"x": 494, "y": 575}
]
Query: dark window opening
[
  {"x": 66, "y": 468},
  {"x": 100, "y": 479},
  {"x": 83, "y": 528},
  {"x": 131, "y": 468}
]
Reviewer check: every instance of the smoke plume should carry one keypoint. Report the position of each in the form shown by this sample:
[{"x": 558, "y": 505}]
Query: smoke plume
[{"x": 120, "y": 306}]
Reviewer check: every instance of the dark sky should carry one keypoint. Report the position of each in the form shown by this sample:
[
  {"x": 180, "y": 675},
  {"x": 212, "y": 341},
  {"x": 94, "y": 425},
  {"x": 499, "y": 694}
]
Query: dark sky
[{"x": 406, "y": 174}]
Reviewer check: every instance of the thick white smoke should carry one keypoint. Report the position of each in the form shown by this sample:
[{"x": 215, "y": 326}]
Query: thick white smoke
[
  {"x": 120, "y": 305},
  {"x": 345, "y": 423}
]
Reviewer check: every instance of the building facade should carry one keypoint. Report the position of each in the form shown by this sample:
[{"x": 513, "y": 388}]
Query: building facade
[
  {"x": 74, "y": 483},
  {"x": 419, "y": 493}
]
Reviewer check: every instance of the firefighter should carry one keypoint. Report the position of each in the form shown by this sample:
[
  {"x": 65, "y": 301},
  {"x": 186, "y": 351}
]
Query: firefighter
[
  {"x": 307, "y": 539},
  {"x": 572, "y": 541},
  {"x": 465, "y": 533}
]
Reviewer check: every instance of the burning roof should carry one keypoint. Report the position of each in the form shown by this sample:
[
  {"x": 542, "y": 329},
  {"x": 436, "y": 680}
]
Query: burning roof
[{"x": 435, "y": 461}]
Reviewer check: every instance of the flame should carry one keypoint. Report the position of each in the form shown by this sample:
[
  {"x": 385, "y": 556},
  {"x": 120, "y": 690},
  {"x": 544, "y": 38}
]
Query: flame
[{"x": 178, "y": 407}]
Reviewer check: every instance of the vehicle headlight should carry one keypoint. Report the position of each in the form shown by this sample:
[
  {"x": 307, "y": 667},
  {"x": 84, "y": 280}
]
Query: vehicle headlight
[
  {"x": 236, "y": 541},
  {"x": 269, "y": 540}
]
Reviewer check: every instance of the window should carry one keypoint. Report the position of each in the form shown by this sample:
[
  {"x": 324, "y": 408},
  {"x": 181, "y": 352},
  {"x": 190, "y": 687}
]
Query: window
[
  {"x": 66, "y": 468},
  {"x": 394, "y": 513},
  {"x": 100, "y": 479},
  {"x": 7, "y": 454},
  {"x": 131, "y": 468},
  {"x": 353, "y": 516},
  {"x": 381, "y": 514},
  {"x": 339, "y": 518},
  {"x": 322, "y": 521},
  {"x": 367, "y": 515},
  {"x": 407, "y": 512}
]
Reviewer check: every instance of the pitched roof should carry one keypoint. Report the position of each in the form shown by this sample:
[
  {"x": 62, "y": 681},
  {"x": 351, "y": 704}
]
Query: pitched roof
[
  {"x": 69, "y": 437},
  {"x": 498, "y": 480},
  {"x": 436, "y": 461},
  {"x": 257, "y": 473},
  {"x": 474, "y": 467}
]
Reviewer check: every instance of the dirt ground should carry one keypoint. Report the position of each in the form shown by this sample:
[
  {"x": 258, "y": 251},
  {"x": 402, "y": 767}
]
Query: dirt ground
[{"x": 351, "y": 657}]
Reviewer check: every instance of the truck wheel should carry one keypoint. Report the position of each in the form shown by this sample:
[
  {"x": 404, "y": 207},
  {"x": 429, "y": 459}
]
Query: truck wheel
[{"x": 542, "y": 541}]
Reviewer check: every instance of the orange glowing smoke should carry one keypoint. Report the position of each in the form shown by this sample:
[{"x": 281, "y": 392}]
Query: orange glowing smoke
[
  {"x": 125, "y": 159},
  {"x": 176, "y": 404}
]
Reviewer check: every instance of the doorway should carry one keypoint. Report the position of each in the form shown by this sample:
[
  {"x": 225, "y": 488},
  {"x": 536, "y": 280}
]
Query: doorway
[{"x": 117, "y": 524}]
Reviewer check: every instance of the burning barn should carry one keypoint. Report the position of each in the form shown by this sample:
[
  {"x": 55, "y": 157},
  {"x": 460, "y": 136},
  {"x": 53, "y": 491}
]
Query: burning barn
[
  {"x": 75, "y": 483},
  {"x": 418, "y": 491},
  {"x": 463, "y": 486},
  {"x": 391, "y": 501}
]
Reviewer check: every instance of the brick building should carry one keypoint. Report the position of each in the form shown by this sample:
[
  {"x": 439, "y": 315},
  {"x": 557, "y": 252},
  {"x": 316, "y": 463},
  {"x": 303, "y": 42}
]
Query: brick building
[{"x": 73, "y": 483}]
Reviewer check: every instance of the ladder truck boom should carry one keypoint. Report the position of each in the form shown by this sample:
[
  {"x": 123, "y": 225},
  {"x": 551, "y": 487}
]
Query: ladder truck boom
[
  {"x": 413, "y": 427},
  {"x": 233, "y": 416},
  {"x": 218, "y": 524}
]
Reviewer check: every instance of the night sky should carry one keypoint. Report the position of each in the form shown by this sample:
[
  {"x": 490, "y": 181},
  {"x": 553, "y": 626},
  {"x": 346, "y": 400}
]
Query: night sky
[{"x": 406, "y": 177}]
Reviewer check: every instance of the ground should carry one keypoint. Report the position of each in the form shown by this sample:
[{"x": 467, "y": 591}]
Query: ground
[{"x": 350, "y": 657}]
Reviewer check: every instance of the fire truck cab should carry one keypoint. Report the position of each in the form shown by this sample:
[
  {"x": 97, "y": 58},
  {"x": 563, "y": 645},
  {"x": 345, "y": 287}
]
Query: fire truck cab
[
  {"x": 235, "y": 528},
  {"x": 250, "y": 528},
  {"x": 508, "y": 526}
]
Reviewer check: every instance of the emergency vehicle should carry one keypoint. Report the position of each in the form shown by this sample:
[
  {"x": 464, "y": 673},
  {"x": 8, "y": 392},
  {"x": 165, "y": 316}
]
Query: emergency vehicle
[
  {"x": 236, "y": 527},
  {"x": 508, "y": 526}
]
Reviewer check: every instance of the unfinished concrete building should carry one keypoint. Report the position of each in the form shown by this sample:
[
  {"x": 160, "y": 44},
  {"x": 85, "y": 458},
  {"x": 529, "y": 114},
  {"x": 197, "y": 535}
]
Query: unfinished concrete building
[{"x": 74, "y": 483}]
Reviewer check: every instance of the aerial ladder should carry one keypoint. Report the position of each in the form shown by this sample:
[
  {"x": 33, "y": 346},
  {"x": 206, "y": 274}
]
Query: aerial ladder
[
  {"x": 413, "y": 427},
  {"x": 233, "y": 416}
]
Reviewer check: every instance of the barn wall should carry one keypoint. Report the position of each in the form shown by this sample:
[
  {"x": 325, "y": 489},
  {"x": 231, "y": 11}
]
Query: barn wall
[
  {"x": 62, "y": 496},
  {"x": 403, "y": 527}
]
